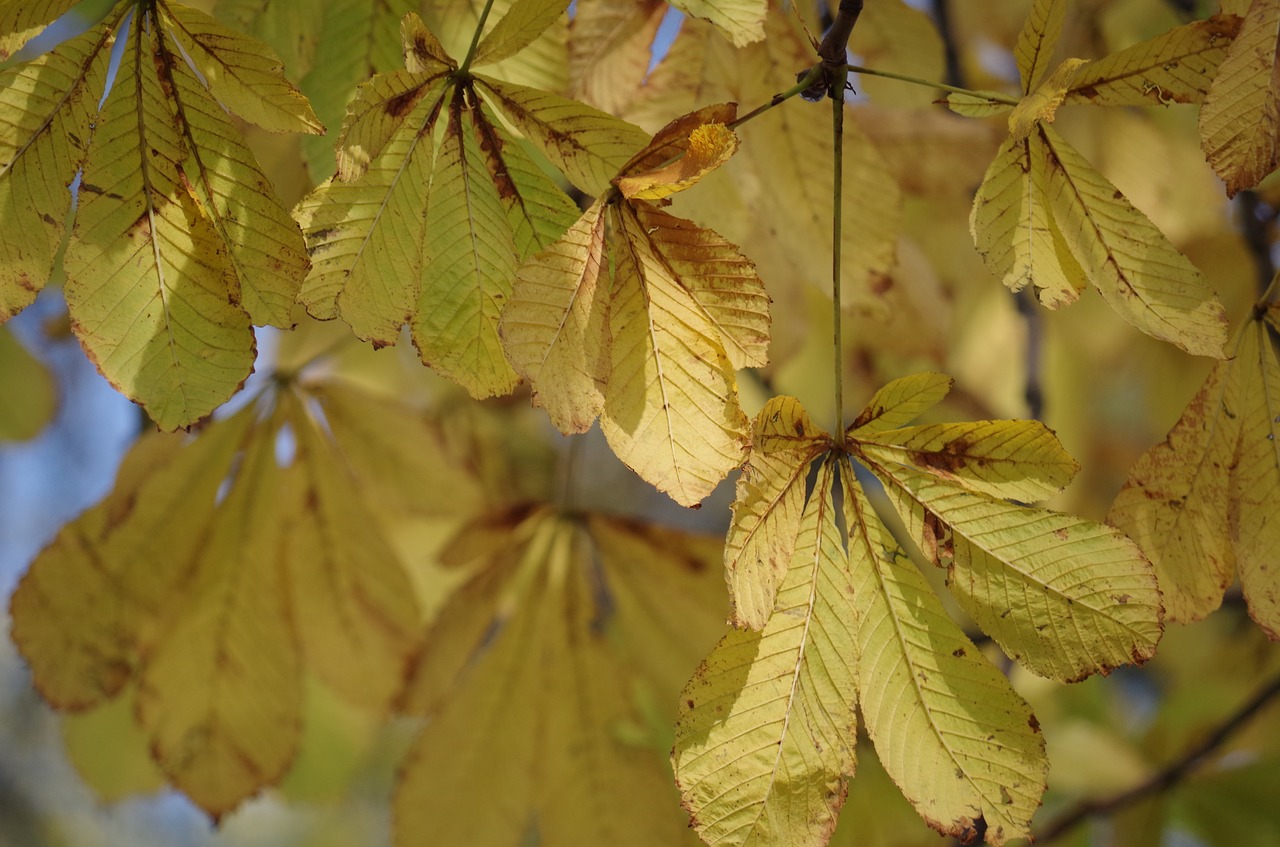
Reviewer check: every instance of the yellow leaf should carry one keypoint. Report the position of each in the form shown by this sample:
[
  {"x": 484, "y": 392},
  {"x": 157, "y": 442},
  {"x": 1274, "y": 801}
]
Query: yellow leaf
[
  {"x": 220, "y": 694},
  {"x": 722, "y": 281},
  {"x": 517, "y": 29},
  {"x": 742, "y": 21},
  {"x": 977, "y": 104},
  {"x": 351, "y": 600},
  {"x": 766, "y": 728},
  {"x": 1175, "y": 502},
  {"x": 901, "y": 38},
  {"x": 152, "y": 294},
  {"x": 1240, "y": 121},
  {"x": 383, "y": 107},
  {"x": 1065, "y": 596},
  {"x": 49, "y": 105},
  {"x": 1174, "y": 67},
  {"x": 1013, "y": 225},
  {"x": 540, "y": 662},
  {"x": 709, "y": 147},
  {"x": 543, "y": 64},
  {"x": 900, "y": 402},
  {"x": 1015, "y": 460},
  {"x": 671, "y": 408},
  {"x": 109, "y": 750},
  {"x": 1036, "y": 41},
  {"x": 20, "y": 22},
  {"x": 610, "y": 50},
  {"x": 1138, "y": 272},
  {"x": 423, "y": 52},
  {"x": 588, "y": 146},
  {"x": 29, "y": 388},
  {"x": 766, "y": 511},
  {"x": 88, "y": 607},
  {"x": 555, "y": 327},
  {"x": 947, "y": 726},
  {"x": 1255, "y": 478},
  {"x": 1041, "y": 105},
  {"x": 244, "y": 74}
]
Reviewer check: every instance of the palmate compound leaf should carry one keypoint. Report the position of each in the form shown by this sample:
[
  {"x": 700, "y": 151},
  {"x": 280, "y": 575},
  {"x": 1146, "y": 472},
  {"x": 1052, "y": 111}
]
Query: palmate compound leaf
[
  {"x": 653, "y": 355},
  {"x": 224, "y": 565},
  {"x": 1045, "y": 217},
  {"x": 1240, "y": 120},
  {"x": 1202, "y": 504},
  {"x": 435, "y": 204},
  {"x": 178, "y": 243},
  {"x": 766, "y": 728},
  {"x": 558, "y": 659},
  {"x": 1065, "y": 596}
]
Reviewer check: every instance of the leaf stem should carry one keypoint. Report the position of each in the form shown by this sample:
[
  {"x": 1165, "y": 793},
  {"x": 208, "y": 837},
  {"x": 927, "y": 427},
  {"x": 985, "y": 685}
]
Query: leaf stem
[
  {"x": 807, "y": 80},
  {"x": 1168, "y": 776},
  {"x": 837, "y": 178},
  {"x": 465, "y": 67},
  {"x": 994, "y": 96}
]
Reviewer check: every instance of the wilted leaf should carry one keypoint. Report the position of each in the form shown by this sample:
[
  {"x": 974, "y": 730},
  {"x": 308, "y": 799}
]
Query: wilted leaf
[{"x": 1240, "y": 120}]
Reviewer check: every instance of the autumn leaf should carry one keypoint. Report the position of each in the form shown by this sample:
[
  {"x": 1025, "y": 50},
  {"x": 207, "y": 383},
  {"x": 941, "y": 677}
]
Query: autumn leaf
[
  {"x": 742, "y": 21},
  {"x": 1045, "y": 217},
  {"x": 20, "y": 22},
  {"x": 23, "y": 375},
  {"x": 1200, "y": 503},
  {"x": 765, "y": 732},
  {"x": 610, "y": 50},
  {"x": 225, "y": 569},
  {"x": 1240, "y": 120},
  {"x": 551, "y": 659},
  {"x": 435, "y": 204},
  {"x": 178, "y": 244},
  {"x": 655, "y": 359}
]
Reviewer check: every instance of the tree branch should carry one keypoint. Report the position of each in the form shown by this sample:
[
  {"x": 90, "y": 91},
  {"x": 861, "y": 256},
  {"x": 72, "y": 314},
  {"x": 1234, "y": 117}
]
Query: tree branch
[
  {"x": 1167, "y": 777},
  {"x": 1257, "y": 223}
]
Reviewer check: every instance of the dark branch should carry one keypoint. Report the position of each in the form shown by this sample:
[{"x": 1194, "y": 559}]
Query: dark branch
[
  {"x": 1258, "y": 222},
  {"x": 834, "y": 52},
  {"x": 1170, "y": 775},
  {"x": 942, "y": 17}
]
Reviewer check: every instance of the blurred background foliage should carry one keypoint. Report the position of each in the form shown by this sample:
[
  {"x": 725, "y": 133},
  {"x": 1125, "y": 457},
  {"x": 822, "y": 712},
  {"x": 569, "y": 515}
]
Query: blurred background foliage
[{"x": 1108, "y": 391}]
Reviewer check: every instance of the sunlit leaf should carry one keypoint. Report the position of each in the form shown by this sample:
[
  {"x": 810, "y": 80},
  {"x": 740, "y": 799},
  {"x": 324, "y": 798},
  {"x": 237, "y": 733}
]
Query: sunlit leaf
[
  {"x": 22, "y": 20},
  {"x": 741, "y": 20},
  {"x": 555, "y": 327},
  {"x": 948, "y": 728},
  {"x": 1174, "y": 67},
  {"x": 767, "y": 508},
  {"x": 1014, "y": 229},
  {"x": 542, "y": 64},
  {"x": 900, "y": 402},
  {"x": 515, "y": 30},
  {"x": 1240, "y": 121},
  {"x": 1042, "y": 104},
  {"x": 1200, "y": 503},
  {"x": 587, "y": 145},
  {"x": 766, "y": 727},
  {"x": 1036, "y": 41},
  {"x": 610, "y": 50}
]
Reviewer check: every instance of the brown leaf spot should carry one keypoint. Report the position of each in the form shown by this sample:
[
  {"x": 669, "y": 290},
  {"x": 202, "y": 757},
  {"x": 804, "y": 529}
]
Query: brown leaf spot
[
  {"x": 1034, "y": 723},
  {"x": 959, "y": 652},
  {"x": 402, "y": 104},
  {"x": 1060, "y": 533}
]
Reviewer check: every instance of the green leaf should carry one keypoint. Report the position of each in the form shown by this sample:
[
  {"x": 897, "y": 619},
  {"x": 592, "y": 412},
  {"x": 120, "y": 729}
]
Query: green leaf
[
  {"x": 949, "y": 729},
  {"x": 471, "y": 260},
  {"x": 766, "y": 728},
  {"x": 1036, "y": 41},
  {"x": 587, "y": 145},
  {"x": 517, "y": 29},
  {"x": 900, "y": 402}
]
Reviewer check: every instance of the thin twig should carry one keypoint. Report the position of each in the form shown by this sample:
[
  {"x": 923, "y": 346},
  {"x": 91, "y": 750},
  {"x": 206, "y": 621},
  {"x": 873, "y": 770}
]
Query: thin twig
[
  {"x": 837, "y": 306},
  {"x": 1167, "y": 777},
  {"x": 993, "y": 96}
]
